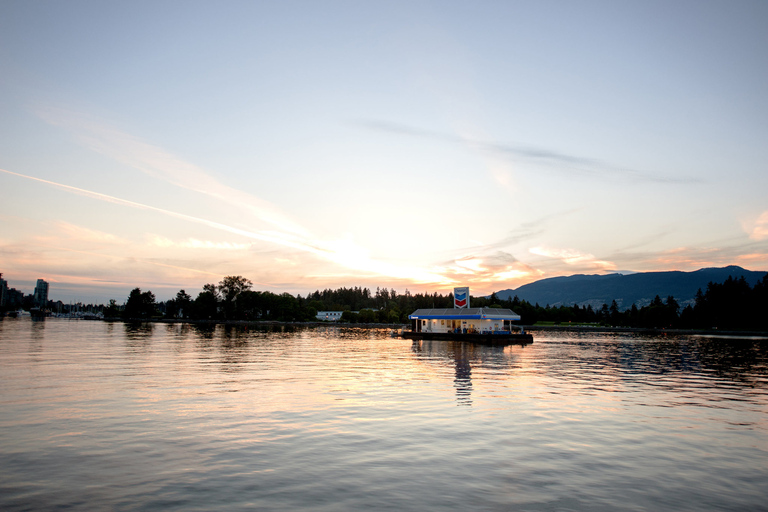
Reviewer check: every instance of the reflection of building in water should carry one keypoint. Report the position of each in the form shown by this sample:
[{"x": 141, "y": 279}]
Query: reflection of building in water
[
  {"x": 463, "y": 356},
  {"x": 463, "y": 379}
]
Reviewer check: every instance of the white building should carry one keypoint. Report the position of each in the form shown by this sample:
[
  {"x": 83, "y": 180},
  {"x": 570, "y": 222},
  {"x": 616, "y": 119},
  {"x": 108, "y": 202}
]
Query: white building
[
  {"x": 329, "y": 316},
  {"x": 463, "y": 320}
]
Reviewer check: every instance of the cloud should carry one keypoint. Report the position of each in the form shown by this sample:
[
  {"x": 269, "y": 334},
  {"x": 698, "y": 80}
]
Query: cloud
[
  {"x": 759, "y": 228},
  {"x": 573, "y": 257},
  {"x": 689, "y": 258},
  {"x": 132, "y": 151},
  {"x": 123, "y": 147},
  {"x": 500, "y": 267},
  {"x": 62, "y": 258},
  {"x": 194, "y": 243},
  {"x": 561, "y": 162},
  {"x": 526, "y": 231},
  {"x": 716, "y": 253},
  {"x": 645, "y": 241},
  {"x": 343, "y": 252},
  {"x": 83, "y": 234}
]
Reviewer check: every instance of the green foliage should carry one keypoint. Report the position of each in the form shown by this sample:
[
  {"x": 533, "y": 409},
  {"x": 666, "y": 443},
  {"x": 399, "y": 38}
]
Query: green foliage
[
  {"x": 729, "y": 305},
  {"x": 206, "y": 306},
  {"x": 112, "y": 310},
  {"x": 367, "y": 316},
  {"x": 230, "y": 288},
  {"x": 140, "y": 306}
]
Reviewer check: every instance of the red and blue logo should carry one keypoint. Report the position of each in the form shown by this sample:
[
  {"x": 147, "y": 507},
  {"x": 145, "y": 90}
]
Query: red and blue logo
[{"x": 460, "y": 300}]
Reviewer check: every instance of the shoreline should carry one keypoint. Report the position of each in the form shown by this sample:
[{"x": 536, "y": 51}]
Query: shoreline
[
  {"x": 644, "y": 330},
  {"x": 567, "y": 328},
  {"x": 570, "y": 328},
  {"x": 254, "y": 323}
]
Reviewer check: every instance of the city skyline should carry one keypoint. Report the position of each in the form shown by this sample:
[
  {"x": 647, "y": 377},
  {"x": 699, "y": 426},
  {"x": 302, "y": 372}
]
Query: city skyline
[{"x": 414, "y": 146}]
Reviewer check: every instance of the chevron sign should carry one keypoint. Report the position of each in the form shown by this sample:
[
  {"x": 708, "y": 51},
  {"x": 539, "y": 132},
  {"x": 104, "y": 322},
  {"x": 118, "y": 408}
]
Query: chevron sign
[{"x": 461, "y": 297}]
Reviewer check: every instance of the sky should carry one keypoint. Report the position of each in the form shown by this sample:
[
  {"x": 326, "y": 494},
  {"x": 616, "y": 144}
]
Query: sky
[{"x": 410, "y": 145}]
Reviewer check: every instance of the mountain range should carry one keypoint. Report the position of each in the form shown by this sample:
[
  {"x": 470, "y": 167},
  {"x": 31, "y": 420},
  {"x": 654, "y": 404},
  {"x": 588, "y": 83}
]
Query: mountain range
[{"x": 626, "y": 289}]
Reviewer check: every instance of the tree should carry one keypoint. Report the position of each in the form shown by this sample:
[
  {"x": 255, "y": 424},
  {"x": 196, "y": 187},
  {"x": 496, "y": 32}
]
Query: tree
[
  {"x": 112, "y": 310},
  {"x": 206, "y": 305},
  {"x": 614, "y": 313},
  {"x": 139, "y": 305},
  {"x": 230, "y": 288},
  {"x": 672, "y": 309},
  {"x": 183, "y": 304},
  {"x": 211, "y": 288},
  {"x": 179, "y": 307},
  {"x": 367, "y": 316}
]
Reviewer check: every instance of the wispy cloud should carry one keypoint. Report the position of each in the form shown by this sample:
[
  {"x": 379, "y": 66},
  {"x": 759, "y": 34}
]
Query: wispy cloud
[
  {"x": 499, "y": 267},
  {"x": 194, "y": 243},
  {"x": 715, "y": 253},
  {"x": 82, "y": 234},
  {"x": 525, "y": 232},
  {"x": 154, "y": 161},
  {"x": 342, "y": 252},
  {"x": 556, "y": 160},
  {"x": 573, "y": 257},
  {"x": 267, "y": 236},
  {"x": 641, "y": 242},
  {"x": 158, "y": 163},
  {"x": 758, "y": 229}
]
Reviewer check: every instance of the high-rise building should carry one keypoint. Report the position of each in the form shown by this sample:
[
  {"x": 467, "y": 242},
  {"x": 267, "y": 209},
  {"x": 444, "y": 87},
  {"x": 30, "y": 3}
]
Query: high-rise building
[
  {"x": 3, "y": 290},
  {"x": 41, "y": 294}
]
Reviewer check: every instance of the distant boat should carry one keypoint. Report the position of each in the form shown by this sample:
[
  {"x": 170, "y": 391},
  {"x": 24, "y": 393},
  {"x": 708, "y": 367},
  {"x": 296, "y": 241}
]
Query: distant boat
[{"x": 37, "y": 313}]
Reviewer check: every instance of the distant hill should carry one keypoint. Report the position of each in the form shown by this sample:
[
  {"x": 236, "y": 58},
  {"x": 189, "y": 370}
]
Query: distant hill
[{"x": 639, "y": 289}]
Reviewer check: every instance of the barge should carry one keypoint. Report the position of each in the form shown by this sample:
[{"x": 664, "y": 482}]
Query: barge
[
  {"x": 487, "y": 326},
  {"x": 493, "y": 338}
]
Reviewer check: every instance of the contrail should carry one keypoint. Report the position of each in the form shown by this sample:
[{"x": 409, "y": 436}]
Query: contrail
[
  {"x": 216, "y": 225},
  {"x": 154, "y": 161},
  {"x": 349, "y": 257}
]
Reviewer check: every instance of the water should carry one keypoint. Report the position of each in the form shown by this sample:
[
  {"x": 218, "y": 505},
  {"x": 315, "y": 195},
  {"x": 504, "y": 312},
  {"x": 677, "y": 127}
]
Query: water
[{"x": 100, "y": 416}]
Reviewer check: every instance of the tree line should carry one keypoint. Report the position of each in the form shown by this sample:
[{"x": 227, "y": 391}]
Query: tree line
[
  {"x": 233, "y": 299},
  {"x": 732, "y": 304}
]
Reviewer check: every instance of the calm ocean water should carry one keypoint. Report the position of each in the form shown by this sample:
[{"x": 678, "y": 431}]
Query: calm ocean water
[{"x": 98, "y": 416}]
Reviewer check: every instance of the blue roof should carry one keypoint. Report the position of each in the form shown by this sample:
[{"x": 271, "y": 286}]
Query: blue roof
[{"x": 465, "y": 314}]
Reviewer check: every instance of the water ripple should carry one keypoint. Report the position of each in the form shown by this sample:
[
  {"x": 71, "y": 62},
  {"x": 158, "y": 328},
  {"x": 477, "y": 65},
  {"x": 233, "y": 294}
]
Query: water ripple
[{"x": 148, "y": 417}]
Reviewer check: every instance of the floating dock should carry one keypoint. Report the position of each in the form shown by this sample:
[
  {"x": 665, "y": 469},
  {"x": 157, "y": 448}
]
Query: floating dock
[
  {"x": 478, "y": 338},
  {"x": 483, "y": 326}
]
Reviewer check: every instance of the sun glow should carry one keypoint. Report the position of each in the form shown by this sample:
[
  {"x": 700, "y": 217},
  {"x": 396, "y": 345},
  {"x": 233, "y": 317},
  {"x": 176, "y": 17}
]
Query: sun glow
[{"x": 342, "y": 252}]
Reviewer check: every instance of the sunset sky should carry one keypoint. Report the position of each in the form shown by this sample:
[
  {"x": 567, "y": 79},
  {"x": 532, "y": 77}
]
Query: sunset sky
[{"x": 419, "y": 145}]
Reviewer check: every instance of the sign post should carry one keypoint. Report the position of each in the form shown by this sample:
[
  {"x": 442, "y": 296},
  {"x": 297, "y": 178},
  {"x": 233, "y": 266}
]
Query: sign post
[{"x": 461, "y": 297}]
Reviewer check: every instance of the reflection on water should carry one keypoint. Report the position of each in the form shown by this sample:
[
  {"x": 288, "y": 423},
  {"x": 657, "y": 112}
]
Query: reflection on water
[
  {"x": 463, "y": 356},
  {"x": 463, "y": 380},
  {"x": 98, "y": 415}
]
